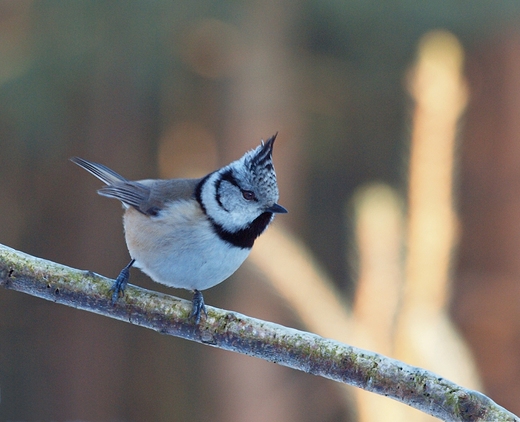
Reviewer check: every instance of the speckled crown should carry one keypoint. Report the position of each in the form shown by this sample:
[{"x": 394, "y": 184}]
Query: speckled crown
[{"x": 260, "y": 164}]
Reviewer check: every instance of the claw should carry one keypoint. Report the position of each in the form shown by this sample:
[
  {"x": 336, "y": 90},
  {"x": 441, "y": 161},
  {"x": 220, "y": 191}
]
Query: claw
[
  {"x": 198, "y": 306},
  {"x": 119, "y": 286}
]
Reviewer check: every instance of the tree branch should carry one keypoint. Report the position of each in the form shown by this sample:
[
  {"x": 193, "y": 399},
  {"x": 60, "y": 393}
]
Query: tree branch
[{"x": 300, "y": 350}]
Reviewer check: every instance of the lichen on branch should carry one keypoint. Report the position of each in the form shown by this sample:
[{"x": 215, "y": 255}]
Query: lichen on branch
[{"x": 231, "y": 331}]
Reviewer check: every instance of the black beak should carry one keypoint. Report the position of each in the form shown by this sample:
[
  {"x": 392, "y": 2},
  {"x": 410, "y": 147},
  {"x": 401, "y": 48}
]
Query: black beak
[{"x": 276, "y": 209}]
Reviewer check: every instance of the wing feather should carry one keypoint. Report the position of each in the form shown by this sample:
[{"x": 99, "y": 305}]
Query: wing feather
[{"x": 147, "y": 196}]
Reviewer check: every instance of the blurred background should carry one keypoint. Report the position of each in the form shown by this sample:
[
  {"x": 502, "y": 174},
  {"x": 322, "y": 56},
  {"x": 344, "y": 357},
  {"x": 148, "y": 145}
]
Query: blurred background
[{"x": 398, "y": 156}]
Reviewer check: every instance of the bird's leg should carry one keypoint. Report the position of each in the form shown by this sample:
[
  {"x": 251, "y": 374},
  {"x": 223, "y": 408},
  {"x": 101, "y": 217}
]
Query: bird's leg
[
  {"x": 119, "y": 286},
  {"x": 198, "y": 306}
]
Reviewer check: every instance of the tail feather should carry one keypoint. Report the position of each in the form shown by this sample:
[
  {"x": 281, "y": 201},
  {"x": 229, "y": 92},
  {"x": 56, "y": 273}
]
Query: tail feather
[
  {"x": 103, "y": 173},
  {"x": 133, "y": 194},
  {"x": 130, "y": 193}
]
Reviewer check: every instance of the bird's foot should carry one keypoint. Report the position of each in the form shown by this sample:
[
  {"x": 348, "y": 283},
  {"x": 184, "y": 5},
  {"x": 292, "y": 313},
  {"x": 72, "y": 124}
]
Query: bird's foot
[
  {"x": 198, "y": 306},
  {"x": 119, "y": 286}
]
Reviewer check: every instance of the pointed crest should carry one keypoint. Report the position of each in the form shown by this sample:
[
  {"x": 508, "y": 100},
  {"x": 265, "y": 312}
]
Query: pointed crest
[{"x": 264, "y": 153}]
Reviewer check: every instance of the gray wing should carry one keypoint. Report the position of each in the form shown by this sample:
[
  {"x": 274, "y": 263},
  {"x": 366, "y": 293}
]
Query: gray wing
[{"x": 147, "y": 196}]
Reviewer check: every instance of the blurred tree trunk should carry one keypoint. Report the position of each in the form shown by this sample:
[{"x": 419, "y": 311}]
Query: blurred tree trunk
[{"x": 486, "y": 301}]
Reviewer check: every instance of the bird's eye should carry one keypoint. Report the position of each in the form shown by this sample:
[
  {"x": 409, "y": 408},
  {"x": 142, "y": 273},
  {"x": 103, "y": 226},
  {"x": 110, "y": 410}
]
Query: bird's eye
[{"x": 248, "y": 195}]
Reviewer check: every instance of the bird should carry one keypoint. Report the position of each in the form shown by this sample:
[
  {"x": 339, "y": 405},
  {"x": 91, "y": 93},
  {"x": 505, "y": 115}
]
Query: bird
[{"x": 193, "y": 233}]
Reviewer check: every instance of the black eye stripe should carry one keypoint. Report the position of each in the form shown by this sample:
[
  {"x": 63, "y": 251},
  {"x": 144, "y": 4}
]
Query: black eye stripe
[
  {"x": 219, "y": 202},
  {"x": 217, "y": 193},
  {"x": 228, "y": 177}
]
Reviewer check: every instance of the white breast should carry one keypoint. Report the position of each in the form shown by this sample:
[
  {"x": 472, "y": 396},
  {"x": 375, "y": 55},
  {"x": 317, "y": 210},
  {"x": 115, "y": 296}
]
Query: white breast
[{"x": 179, "y": 248}]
